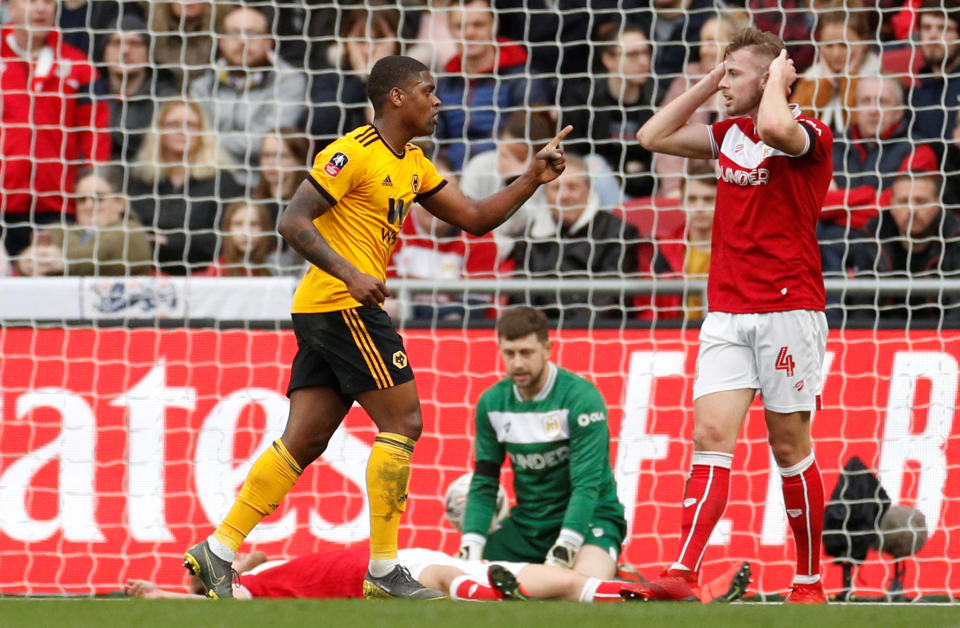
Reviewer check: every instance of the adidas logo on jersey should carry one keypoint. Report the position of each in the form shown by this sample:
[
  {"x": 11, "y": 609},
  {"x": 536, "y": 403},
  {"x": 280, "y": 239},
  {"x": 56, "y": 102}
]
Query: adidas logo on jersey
[
  {"x": 794, "y": 512},
  {"x": 387, "y": 182},
  {"x": 690, "y": 501}
]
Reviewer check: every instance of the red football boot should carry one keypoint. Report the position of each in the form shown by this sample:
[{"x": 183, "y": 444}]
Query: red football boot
[
  {"x": 807, "y": 594},
  {"x": 678, "y": 585}
]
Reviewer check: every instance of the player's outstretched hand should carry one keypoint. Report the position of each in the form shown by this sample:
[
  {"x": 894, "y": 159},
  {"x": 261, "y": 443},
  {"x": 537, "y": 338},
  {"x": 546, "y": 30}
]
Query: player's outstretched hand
[
  {"x": 367, "y": 289},
  {"x": 548, "y": 163},
  {"x": 140, "y": 588}
]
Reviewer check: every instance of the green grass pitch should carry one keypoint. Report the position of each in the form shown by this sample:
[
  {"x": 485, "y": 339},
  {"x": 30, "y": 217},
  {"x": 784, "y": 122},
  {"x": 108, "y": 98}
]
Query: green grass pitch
[{"x": 107, "y": 613}]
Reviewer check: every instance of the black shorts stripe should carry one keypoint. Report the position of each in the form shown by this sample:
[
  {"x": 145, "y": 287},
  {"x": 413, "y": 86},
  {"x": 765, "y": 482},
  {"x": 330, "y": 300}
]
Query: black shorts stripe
[
  {"x": 364, "y": 351},
  {"x": 374, "y": 353}
]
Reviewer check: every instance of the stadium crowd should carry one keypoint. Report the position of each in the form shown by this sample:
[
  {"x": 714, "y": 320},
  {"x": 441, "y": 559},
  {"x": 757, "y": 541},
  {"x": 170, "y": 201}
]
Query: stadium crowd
[{"x": 166, "y": 137}]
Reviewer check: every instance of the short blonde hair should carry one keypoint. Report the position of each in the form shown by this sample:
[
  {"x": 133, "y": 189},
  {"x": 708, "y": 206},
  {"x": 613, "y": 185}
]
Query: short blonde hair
[{"x": 765, "y": 43}]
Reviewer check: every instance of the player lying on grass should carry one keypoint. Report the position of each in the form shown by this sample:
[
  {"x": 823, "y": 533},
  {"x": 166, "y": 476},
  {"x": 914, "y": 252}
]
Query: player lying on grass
[{"x": 339, "y": 574}]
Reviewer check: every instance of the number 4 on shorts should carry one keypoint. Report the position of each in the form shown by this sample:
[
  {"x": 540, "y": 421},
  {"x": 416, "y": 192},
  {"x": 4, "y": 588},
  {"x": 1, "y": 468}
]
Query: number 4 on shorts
[{"x": 785, "y": 361}]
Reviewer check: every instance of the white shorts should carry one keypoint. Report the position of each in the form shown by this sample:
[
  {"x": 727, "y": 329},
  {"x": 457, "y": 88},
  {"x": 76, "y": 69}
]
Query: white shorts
[
  {"x": 779, "y": 354},
  {"x": 416, "y": 560}
]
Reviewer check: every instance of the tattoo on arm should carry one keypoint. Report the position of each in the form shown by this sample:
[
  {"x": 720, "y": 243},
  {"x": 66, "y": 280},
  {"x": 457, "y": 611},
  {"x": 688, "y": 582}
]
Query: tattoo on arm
[{"x": 307, "y": 240}]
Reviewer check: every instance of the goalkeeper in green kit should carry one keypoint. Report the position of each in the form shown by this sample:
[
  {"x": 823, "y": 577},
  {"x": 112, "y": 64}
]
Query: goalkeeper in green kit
[{"x": 552, "y": 424}]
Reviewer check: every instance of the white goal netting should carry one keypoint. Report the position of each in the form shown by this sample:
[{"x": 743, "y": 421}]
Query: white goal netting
[{"x": 148, "y": 149}]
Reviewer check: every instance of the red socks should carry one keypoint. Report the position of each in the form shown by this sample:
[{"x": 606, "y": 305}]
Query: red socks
[
  {"x": 803, "y": 499},
  {"x": 596, "y": 590},
  {"x": 465, "y": 588},
  {"x": 704, "y": 501}
]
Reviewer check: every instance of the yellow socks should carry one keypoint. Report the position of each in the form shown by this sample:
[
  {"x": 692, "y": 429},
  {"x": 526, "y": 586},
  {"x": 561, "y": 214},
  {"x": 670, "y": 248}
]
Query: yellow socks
[
  {"x": 388, "y": 474},
  {"x": 272, "y": 476}
]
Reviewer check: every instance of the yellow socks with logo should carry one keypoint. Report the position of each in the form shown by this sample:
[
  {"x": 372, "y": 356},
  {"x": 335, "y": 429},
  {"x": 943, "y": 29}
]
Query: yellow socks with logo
[
  {"x": 271, "y": 478},
  {"x": 388, "y": 474}
]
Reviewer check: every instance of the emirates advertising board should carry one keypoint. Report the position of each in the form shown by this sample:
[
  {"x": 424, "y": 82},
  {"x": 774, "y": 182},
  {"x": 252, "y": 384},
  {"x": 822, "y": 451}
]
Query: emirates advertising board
[{"x": 121, "y": 447}]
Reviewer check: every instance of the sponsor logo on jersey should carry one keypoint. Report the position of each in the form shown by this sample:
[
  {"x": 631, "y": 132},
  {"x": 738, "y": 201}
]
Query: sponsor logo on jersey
[
  {"x": 597, "y": 532},
  {"x": 794, "y": 512},
  {"x": 336, "y": 164},
  {"x": 416, "y": 184},
  {"x": 799, "y": 385},
  {"x": 539, "y": 461},
  {"x": 552, "y": 424},
  {"x": 399, "y": 359},
  {"x": 387, "y": 181},
  {"x": 690, "y": 501},
  {"x": 586, "y": 419},
  {"x": 739, "y": 176}
]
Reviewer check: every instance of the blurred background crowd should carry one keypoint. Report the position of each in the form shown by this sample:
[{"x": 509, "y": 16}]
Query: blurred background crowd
[{"x": 165, "y": 137}]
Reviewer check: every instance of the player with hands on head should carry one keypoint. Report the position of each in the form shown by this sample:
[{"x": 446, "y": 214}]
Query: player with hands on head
[
  {"x": 344, "y": 219},
  {"x": 765, "y": 330},
  {"x": 552, "y": 424}
]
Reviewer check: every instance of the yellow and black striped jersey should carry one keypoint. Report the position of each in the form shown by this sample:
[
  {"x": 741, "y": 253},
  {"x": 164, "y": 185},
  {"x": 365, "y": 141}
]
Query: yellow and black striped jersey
[{"x": 371, "y": 189}]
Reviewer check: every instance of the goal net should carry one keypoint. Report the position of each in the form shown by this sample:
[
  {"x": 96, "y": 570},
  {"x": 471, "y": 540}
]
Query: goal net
[{"x": 144, "y": 357}]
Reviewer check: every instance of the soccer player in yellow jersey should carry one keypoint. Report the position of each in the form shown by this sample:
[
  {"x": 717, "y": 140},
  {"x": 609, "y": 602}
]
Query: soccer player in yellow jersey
[{"x": 345, "y": 219}]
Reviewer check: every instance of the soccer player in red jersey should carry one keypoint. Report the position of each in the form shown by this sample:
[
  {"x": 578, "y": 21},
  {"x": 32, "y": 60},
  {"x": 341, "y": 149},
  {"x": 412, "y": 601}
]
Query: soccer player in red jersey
[
  {"x": 338, "y": 573},
  {"x": 765, "y": 330}
]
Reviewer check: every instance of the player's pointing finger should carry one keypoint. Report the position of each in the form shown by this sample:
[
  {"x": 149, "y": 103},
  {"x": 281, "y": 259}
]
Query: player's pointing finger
[{"x": 555, "y": 142}]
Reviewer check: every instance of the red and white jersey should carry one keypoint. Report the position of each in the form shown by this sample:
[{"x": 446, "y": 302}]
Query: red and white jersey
[
  {"x": 765, "y": 256},
  {"x": 332, "y": 574}
]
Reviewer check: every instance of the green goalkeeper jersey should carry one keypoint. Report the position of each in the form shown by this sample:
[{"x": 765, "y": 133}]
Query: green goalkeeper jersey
[{"x": 559, "y": 448}]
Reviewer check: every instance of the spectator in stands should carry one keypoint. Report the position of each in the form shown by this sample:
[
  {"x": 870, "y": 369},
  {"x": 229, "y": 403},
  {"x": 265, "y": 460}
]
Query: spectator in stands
[
  {"x": 878, "y": 145},
  {"x": 178, "y": 185},
  {"x": 915, "y": 238},
  {"x": 524, "y": 133},
  {"x": 284, "y": 159},
  {"x": 828, "y": 89},
  {"x": 429, "y": 248},
  {"x": 589, "y": 244},
  {"x": 936, "y": 94},
  {"x": 434, "y": 45},
  {"x": 951, "y": 171},
  {"x": 339, "y": 91},
  {"x": 247, "y": 241},
  {"x": 793, "y": 21},
  {"x": 284, "y": 162},
  {"x": 714, "y": 36},
  {"x": 107, "y": 240},
  {"x": 51, "y": 123},
  {"x": 686, "y": 251},
  {"x": 250, "y": 91},
  {"x": 130, "y": 86},
  {"x": 183, "y": 37},
  {"x": 674, "y": 28},
  {"x": 606, "y": 112},
  {"x": 558, "y": 32},
  {"x": 482, "y": 84},
  {"x": 84, "y": 23}
]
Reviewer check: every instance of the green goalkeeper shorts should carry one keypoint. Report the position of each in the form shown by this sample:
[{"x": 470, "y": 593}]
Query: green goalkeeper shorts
[{"x": 512, "y": 543}]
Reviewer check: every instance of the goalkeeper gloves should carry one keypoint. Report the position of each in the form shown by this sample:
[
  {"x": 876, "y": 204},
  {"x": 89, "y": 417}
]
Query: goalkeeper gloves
[
  {"x": 471, "y": 546},
  {"x": 565, "y": 548}
]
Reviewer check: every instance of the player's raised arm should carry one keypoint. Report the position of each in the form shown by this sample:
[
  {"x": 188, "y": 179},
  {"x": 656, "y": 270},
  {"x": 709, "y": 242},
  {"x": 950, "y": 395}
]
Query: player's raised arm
[
  {"x": 776, "y": 125},
  {"x": 668, "y": 130},
  {"x": 479, "y": 217},
  {"x": 298, "y": 229}
]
